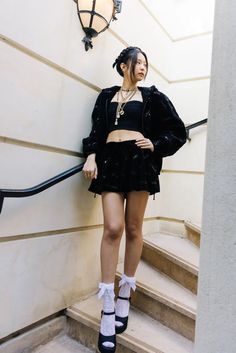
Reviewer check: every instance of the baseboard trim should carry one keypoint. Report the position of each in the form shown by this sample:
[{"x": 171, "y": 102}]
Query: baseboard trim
[{"x": 31, "y": 336}]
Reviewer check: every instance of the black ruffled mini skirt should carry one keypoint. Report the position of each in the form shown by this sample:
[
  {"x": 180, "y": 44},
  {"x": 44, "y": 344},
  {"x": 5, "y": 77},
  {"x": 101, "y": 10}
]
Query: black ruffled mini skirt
[{"x": 125, "y": 167}]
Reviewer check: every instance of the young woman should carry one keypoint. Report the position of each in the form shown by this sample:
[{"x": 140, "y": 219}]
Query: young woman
[{"x": 133, "y": 128}]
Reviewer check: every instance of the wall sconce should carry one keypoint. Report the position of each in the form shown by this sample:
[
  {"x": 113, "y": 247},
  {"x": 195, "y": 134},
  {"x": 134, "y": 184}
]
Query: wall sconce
[{"x": 95, "y": 17}]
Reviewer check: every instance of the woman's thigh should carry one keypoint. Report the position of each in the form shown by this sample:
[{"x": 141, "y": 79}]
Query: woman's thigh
[
  {"x": 135, "y": 208},
  {"x": 113, "y": 211}
]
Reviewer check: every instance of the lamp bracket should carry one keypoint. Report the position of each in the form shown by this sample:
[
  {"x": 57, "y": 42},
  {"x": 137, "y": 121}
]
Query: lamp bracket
[{"x": 118, "y": 5}]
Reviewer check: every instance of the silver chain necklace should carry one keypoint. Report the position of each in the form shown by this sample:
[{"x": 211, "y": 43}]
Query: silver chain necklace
[{"x": 123, "y": 101}]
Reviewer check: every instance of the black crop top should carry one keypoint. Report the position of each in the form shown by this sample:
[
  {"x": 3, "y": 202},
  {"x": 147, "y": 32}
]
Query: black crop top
[{"x": 130, "y": 120}]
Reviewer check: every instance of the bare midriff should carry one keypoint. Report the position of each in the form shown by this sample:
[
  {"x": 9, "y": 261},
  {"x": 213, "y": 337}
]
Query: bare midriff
[{"x": 123, "y": 135}]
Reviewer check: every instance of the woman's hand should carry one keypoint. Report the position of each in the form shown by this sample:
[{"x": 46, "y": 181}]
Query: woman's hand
[
  {"x": 90, "y": 167},
  {"x": 145, "y": 143}
]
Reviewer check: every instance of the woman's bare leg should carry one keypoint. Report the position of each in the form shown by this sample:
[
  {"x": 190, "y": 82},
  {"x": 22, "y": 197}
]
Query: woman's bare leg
[
  {"x": 113, "y": 212},
  {"x": 134, "y": 214}
]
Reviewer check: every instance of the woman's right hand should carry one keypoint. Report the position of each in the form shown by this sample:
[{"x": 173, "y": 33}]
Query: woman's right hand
[{"x": 90, "y": 167}]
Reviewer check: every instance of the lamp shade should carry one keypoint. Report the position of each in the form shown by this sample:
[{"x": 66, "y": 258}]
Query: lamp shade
[{"x": 95, "y": 17}]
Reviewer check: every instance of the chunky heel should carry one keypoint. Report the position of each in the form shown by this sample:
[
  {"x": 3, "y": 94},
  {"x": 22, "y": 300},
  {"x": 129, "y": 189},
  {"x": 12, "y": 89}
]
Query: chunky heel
[
  {"x": 102, "y": 339},
  {"x": 123, "y": 320}
]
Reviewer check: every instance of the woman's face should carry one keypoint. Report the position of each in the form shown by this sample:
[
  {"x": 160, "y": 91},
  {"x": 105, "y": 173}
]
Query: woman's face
[{"x": 140, "y": 69}]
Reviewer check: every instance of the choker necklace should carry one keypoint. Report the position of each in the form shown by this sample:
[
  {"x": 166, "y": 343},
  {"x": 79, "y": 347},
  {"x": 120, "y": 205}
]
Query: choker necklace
[{"x": 122, "y": 102}]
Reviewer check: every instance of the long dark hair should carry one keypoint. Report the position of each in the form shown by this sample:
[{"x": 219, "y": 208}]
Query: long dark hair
[{"x": 129, "y": 54}]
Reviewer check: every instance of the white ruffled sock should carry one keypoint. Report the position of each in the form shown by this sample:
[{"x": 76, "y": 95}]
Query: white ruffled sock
[
  {"x": 122, "y": 306},
  {"x": 107, "y": 328}
]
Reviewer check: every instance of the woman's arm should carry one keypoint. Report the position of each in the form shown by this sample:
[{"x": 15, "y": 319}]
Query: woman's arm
[
  {"x": 91, "y": 143},
  {"x": 169, "y": 133}
]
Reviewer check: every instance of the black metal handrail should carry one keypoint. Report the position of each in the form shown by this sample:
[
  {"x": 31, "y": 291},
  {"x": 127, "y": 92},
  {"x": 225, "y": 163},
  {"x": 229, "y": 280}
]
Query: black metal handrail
[
  {"x": 40, "y": 187},
  {"x": 62, "y": 176},
  {"x": 192, "y": 126}
]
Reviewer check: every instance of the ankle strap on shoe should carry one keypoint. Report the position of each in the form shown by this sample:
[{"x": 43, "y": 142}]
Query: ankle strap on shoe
[
  {"x": 131, "y": 281},
  {"x": 124, "y": 298},
  {"x": 106, "y": 288},
  {"x": 106, "y": 313}
]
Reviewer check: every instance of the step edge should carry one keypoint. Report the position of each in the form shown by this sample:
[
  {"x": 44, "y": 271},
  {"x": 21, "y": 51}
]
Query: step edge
[
  {"x": 164, "y": 299},
  {"x": 125, "y": 340},
  {"x": 193, "y": 227},
  {"x": 174, "y": 258},
  {"x": 87, "y": 320}
]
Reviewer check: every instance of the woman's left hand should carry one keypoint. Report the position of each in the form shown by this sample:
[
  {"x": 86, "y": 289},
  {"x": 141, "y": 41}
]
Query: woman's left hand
[{"x": 145, "y": 143}]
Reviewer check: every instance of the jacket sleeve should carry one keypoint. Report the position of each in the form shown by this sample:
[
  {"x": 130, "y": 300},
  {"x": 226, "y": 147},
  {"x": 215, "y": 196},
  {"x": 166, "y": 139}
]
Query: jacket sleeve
[
  {"x": 169, "y": 132},
  {"x": 92, "y": 142}
]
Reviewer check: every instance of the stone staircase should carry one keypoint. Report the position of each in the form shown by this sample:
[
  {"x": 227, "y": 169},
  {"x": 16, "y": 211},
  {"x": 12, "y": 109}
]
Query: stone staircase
[{"x": 163, "y": 311}]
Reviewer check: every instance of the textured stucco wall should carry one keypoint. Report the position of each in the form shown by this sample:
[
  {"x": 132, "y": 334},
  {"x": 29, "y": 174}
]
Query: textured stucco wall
[{"x": 216, "y": 317}]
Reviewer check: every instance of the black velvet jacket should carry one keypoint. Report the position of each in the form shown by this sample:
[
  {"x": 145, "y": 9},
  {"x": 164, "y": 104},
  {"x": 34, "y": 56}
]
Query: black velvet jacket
[{"x": 160, "y": 123}]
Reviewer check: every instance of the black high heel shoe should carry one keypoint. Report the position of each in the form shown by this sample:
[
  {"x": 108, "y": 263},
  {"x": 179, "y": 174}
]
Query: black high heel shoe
[
  {"x": 123, "y": 320},
  {"x": 102, "y": 339}
]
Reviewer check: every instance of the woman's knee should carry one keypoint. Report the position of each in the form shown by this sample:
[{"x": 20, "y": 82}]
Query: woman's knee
[
  {"x": 113, "y": 232},
  {"x": 133, "y": 231}
]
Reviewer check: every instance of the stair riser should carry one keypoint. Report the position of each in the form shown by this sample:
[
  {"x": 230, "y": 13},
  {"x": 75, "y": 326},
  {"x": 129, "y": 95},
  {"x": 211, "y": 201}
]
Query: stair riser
[
  {"x": 155, "y": 258},
  {"x": 89, "y": 337},
  {"x": 163, "y": 313},
  {"x": 82, "y": 333},
  {"x": 194, "y": 237}
]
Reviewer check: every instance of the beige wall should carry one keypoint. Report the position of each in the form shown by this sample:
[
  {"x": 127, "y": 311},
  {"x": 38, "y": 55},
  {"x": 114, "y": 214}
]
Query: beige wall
[{"x": 48, "y": 86}]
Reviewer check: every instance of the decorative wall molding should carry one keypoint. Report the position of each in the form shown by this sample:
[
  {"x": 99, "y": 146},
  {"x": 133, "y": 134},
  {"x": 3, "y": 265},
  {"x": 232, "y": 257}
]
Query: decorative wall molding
[
  {"x": 8, "y": 238},
  {"x": 47, "y": 233},
  {"x": 167, "y": 33},
  {"x": 52, "y": 149},
  {"x": 199, "y": 78},
  {"x": 78, "y": 78},
  {"x": 122, "y": 41},
  {"x": 176, "y": 171},
  {"x": 39, "y": 146},
  {"x": 191, "y": 36},
  {"x": 47, "y": 62}
]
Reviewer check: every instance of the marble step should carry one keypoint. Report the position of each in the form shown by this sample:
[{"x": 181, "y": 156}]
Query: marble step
[
  {"x": 143, "y": 335},
  {"x": 175, "y": 256},
  {"x": 62, "y": 344},
  {"x": 193, "y": 232},
  {"x": 163, "y": 299}
]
